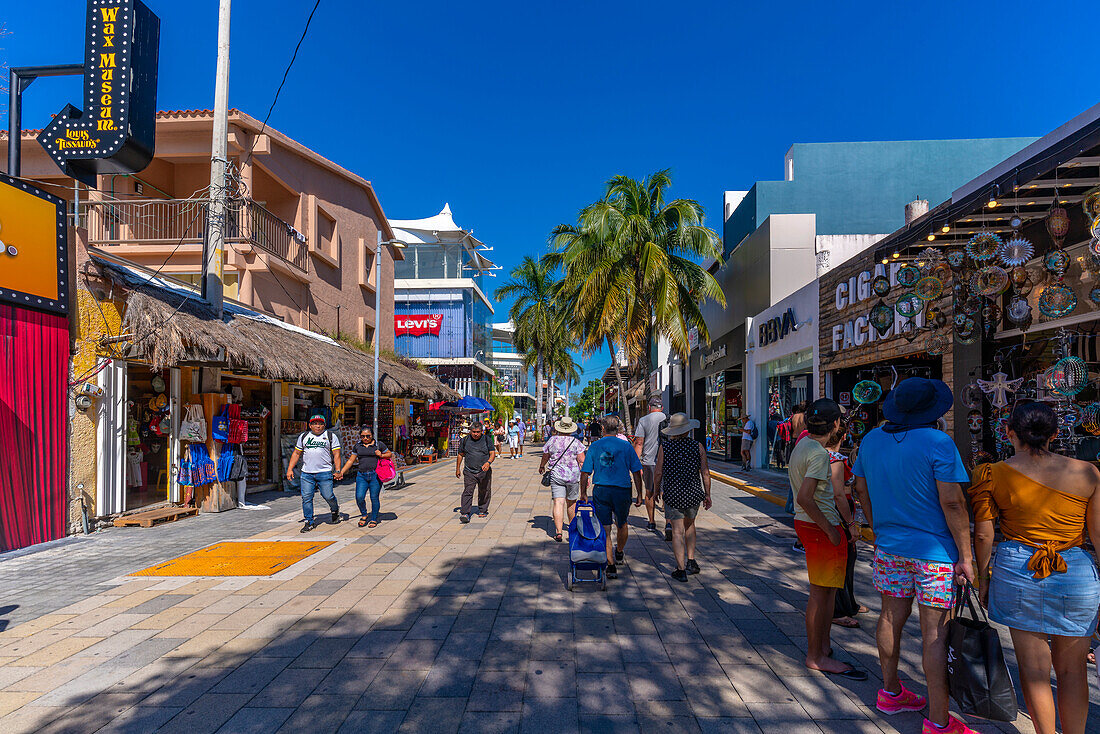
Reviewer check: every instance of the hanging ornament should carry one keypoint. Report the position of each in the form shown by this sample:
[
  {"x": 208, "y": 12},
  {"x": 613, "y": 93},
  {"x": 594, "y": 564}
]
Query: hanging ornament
[
  {"x": 938, "y": 344},
  {"x": 1057, "y": 300},
  {"x": 972, "y": 306},
  {"x": 991, "y": 280},
  {"x": 1069, "y": 376},
  {"x": 956, "y": 258},
  {"x": 928, "y": 288},
  {"x": 1058, "y": 224},
  {"x": 1090, "y": 418},
  {"x": 971, "y": 395},
  {"x": 1019, "y": 310},
  {"x": 881, "y": 317},
  {"x": 983, "y": 246},
  {"x": 999, "y": 388},
  {"x": 966, "y": 329},
  {"x": 1094, "y": 295},
  {"x": 909, "y": 331},
  {"x": 1056, "y": 262},
  {"x": 975, "y": 422},
  {"x": 1017, "y": 251},
  {"x": 909, "y": 305},
  {"x": 857, "y": 428},
  {"x": 908, "y": 276},
  {"x": 1090, "y": 204},
  {"x": 1094, "y": 228},
  {"x": 880, "y": 284},
  {"x": 867, "y": 392},
  {"x": 936, "y": 317},
  {"x": 1019, "y": 276}
]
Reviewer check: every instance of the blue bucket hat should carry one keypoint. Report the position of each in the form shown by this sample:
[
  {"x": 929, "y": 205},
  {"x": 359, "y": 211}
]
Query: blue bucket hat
[{"x": 917, "y": 401}]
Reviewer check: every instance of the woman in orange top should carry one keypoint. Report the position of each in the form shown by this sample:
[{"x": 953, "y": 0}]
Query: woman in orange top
[{"x": 1043, "y": 586}]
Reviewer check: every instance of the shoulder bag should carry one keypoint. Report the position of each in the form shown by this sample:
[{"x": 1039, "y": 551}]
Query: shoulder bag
[{"x": 546, "y": 474}]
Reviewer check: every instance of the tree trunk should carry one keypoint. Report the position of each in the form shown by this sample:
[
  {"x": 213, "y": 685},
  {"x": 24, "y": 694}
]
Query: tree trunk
[
  {"x": 538, "y": 390},
  {"x": 622, "y": 390}
]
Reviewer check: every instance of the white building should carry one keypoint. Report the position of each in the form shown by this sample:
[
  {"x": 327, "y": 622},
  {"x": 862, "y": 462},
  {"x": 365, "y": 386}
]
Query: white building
[{"x": 515, "y": 381}]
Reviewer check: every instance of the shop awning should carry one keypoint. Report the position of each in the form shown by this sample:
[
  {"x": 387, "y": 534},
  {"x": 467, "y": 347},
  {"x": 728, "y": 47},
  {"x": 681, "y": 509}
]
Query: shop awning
[{"x": 169, "y": 325}]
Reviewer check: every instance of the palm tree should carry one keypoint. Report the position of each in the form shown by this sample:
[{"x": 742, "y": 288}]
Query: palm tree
[
  {"x": 560, "y": 363},
  {"x": 532, "y": 313},
  {"x": 631, "y": 262}
]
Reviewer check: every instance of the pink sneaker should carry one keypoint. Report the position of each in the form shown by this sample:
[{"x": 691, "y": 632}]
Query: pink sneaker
[
  {"x": 905, "y": 700},
  {"x": 954, "y": 726}
]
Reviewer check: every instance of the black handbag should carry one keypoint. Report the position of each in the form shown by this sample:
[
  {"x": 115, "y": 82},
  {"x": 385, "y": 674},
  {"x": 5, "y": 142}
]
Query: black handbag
[
  {"x": 977, "y": 675},
  {"x": 546, "y": 474}
]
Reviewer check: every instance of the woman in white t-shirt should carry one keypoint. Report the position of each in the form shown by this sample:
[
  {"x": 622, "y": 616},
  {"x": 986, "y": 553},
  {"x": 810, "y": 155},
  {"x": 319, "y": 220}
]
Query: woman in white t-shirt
[{"x": 565, "y": 454}]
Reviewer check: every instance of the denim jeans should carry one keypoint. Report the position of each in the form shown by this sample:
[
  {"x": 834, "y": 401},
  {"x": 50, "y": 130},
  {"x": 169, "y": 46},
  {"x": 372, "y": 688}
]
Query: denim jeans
[
  {"x": 365, "y": 480},
  {"x": 313, "y": 482}
]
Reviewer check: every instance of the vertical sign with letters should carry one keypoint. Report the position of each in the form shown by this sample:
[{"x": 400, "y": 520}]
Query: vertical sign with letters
[{"x": 116, "y": 130}]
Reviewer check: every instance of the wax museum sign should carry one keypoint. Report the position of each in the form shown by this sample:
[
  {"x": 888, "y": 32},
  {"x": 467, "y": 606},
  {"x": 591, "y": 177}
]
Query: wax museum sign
[
  {"x": 34, "y": 249},
  {"x": 856, "y": 293},
  {"x": 417, "y": 324},
  {"x": 115, "y": 132}
]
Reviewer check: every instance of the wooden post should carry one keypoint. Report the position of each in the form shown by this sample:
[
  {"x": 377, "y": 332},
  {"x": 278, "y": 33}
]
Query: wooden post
[{"x": 214, "y": 497}]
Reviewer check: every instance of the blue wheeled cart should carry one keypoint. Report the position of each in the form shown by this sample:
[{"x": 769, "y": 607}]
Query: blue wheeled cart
[{"x": 587, "y": 547}]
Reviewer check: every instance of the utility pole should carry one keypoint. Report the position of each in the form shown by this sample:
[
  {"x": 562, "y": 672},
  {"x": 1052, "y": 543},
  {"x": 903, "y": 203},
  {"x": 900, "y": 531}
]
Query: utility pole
[
  {"x": 214, "y": 252},
  {"x": 377, "y": 325}
]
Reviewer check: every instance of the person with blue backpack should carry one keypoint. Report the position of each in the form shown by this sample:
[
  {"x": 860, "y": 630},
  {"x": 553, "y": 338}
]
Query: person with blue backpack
[{"x": 609, "y": 464}]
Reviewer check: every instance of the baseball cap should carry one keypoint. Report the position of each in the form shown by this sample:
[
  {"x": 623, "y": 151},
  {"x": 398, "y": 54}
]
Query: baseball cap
[
  {"x": 822, "y": 412},
  {"x": 317, "y": 417},
  {"x": 656, "y": 402}
]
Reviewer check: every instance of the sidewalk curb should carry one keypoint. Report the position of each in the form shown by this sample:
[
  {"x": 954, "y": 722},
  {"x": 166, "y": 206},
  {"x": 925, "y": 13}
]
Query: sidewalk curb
[{"x": 749, "y": 488}]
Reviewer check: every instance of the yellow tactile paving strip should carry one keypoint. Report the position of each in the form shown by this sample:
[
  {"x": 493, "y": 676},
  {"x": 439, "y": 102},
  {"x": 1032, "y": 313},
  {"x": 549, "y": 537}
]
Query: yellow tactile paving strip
[{"x": 238, "y": 559}]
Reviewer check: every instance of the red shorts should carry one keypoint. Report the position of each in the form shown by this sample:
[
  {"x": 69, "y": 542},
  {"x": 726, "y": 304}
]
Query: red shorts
[{"x": 825, "y": 563}]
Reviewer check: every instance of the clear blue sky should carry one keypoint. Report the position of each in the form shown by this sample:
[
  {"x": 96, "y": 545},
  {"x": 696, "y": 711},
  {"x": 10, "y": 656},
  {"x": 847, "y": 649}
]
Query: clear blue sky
[{"x": 515, "y": 113}]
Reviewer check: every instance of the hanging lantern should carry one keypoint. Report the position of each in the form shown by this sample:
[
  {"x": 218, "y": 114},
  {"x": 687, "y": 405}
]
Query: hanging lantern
[{"x": 1058, "y": 224}]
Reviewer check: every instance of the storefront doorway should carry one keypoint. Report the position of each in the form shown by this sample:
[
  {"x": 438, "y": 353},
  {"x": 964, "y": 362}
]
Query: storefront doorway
[
  {"x": 147, "y": 437},
  {"x": 724, "y": 409}
]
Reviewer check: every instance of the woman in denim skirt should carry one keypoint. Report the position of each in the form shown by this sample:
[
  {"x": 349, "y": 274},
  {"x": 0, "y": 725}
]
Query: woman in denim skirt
[{"x": 1043, "y": 585}]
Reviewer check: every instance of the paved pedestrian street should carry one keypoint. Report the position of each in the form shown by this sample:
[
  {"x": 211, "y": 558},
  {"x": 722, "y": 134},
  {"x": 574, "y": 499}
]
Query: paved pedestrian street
[{"x": 427, "y": 625}]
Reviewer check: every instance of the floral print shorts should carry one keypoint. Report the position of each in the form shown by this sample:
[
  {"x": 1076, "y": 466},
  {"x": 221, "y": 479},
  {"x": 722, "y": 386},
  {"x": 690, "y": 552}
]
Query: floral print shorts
[{"x": 931, "y": 582}]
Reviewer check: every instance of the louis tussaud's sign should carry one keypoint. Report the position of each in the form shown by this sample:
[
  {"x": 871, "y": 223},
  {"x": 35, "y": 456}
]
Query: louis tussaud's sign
[{"x": 115, "y": 132}]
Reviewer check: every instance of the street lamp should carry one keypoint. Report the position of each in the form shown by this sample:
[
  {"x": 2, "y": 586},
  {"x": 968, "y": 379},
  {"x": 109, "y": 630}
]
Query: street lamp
[{"x": 398, "y": 244}]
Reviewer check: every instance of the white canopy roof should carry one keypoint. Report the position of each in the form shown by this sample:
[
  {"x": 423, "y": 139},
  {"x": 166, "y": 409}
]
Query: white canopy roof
[{"x": 438, "y": 229}]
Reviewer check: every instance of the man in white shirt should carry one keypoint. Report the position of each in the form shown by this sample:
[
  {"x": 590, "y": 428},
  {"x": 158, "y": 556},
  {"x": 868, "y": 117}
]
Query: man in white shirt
[
  {"x": 647, "y": 438},
  {"x": 748, "y": 436},
  {"x": 319, "y": 451}
]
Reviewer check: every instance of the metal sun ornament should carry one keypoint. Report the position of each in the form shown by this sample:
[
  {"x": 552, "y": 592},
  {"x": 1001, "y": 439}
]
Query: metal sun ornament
[
  {"x": 999, "y": 388},
  {"x": 991, "y": 280},
  {"x": 983, "y": 246},
  {"x": 1090, "y": 204},
  {"x": 880, "y": 284},
  {"x": 928, "y": 288},
  {"x": 908, "y": 276},
  {"x": 1017, "y": 251},
  {"x": 1057, "y": 300}
]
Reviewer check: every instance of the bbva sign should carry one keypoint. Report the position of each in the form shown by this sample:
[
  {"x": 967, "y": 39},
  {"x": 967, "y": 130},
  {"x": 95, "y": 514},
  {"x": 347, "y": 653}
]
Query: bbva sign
[{"x": 777, "y": 328}]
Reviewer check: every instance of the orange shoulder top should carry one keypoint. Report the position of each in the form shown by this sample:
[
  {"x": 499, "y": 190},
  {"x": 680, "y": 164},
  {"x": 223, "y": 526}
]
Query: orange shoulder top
[{"x": 1031, "y": 513}]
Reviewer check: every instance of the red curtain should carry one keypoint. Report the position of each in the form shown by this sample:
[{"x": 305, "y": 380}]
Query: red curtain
[{"x": 34, "y": 359}]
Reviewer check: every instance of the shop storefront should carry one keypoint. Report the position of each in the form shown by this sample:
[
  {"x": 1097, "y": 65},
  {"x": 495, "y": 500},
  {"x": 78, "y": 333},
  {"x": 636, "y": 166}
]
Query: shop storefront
[
  {"x": 782, "y": 367},
  {"x": 719, "y": 393}
]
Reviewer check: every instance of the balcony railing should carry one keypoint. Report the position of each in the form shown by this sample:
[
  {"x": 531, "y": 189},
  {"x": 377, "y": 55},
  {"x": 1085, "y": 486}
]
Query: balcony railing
[{"x": 183, "y": 221}]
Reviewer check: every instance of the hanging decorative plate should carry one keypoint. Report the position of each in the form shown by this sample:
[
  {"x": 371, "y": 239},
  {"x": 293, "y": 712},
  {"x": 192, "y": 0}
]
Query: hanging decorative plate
[
  {"x": 1056, "y": 262},
  {"x": 983, "y": 246},
  {"x": 991, "y": 280},
  {"x": 956, "y": 258},
  {"x": 1069, "y": 376},
  {"x": 880, "y": 284},
  {"x": 881, "y": 317},
  {"x": 1057, "y": 300},
  {"x": 908, "y": 276},
  {"x": 1017, "y": 251},
  {"x": 1091, "y": 203},
  {"x": 867, "y": 392},
  {"x": 928, "y": 288},
  {"x": 857, "y": 428},
  {"x": 1094, "y": 228},
  {"x": 1019, "y": 311},
  {"x": 938, "y": 344},
  {"x": 1094, "y": 295},
  {"x": 1019, "y": 276},
  {"x": 909, "y": 305},
  {"x": 1058, "y": 223}
]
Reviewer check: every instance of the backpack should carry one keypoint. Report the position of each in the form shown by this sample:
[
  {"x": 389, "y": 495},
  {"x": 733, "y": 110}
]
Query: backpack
[
  {"x": 754, "y": 433},
  {"x": 587, "y": 541}
]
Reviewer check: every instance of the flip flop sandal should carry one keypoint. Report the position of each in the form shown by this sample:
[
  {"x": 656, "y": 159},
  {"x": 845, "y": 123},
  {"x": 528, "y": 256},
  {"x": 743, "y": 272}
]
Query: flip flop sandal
[
  {"x": 850, "y": 674},
  {"x": 849, "y": 624},
  {"x": 372, "y": 524},
  {"x": 557, "y": 537},
  {"x": 363, "y": 522}
]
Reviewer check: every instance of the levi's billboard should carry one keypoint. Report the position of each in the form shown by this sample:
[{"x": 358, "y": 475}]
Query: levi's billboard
[{"x": 417, "y": 324}]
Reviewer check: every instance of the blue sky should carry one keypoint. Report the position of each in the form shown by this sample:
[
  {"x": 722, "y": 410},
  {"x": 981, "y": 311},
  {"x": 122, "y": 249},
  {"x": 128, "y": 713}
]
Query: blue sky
[{"x": 516, "y": 113}]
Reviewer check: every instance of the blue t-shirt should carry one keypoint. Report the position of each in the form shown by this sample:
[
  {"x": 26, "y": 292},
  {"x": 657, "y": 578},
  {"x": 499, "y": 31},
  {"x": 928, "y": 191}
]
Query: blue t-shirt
[
  {"x": 610, "y": 461},
  {"x": 901, "y": 470}
]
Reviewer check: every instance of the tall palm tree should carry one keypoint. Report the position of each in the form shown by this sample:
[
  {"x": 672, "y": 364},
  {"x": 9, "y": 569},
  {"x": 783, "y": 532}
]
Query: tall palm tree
[
  {"x": 631, "y": 261},
  {"x": 561, "y": 365},
  {"x": 532, "y": 313}
]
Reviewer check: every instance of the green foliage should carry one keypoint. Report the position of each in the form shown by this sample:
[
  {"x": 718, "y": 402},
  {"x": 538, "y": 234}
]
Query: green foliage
[
  {"x": 504, "y": 407},
  {"x": 588, "y": 403}
]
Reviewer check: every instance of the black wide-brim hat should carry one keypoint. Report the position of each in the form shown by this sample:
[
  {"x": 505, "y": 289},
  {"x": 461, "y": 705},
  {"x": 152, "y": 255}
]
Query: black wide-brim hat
[{"x": 917, "y": 401}]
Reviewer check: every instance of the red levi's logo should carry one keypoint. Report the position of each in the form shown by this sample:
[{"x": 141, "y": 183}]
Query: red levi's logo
[{"x": 417, "y": 324}]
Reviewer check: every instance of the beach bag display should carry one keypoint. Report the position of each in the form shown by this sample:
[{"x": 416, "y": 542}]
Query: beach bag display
[
  {"x": 183, "y": 473},
  {"x": 386, "y": 471},
  {"x": 587, "y": 541},
  {"x": 193, "y": 425},
  {"x": 977, "y": 675},
  {"x": 238, "y": 428},
  {"x": 203, "y": 469},
  {"x": 219, "y": 427},
  {"x": 232, "y": 465}
]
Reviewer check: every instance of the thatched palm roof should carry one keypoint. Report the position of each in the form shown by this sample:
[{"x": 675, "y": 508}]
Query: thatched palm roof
[{"x": 172, "y": 326}]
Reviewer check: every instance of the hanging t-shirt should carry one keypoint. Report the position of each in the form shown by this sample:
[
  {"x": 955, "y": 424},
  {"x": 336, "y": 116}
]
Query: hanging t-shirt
[{"x": 317, "y": 451}]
